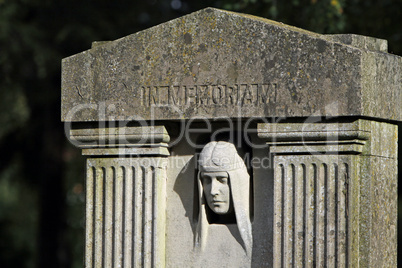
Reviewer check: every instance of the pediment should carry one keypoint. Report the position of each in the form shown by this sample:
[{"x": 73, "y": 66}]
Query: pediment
[{"x": 215, "y": 63}]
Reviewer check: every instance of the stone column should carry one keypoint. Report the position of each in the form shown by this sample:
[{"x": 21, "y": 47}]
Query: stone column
[
  {"x": 335, "y": 193},
  {"x": 125, "y": 195}
]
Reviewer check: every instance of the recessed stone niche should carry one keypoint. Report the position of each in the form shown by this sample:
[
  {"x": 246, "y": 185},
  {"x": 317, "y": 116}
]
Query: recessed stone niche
[{"x": 221, "y": 139}]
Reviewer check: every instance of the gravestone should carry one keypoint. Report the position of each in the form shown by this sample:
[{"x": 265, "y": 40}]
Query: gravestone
[{"x": 221, "y": 139}]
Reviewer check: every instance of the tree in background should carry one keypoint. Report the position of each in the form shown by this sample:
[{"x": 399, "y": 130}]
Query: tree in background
[{"x": 41, "y": 174}]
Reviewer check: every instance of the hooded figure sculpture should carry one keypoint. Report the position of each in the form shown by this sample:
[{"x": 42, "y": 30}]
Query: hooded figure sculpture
[{"x": 224, "y": 186}]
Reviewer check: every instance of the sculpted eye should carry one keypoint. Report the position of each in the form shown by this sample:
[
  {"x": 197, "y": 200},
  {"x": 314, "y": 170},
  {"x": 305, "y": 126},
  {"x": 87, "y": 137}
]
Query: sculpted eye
[{"x": 223, "y": 180}]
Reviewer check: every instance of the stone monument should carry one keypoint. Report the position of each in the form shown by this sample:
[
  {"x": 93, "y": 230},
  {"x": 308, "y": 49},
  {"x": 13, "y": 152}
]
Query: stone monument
[{"x": 221, "y": 139}]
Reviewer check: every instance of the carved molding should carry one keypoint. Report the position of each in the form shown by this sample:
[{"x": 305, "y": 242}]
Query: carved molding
[
  {"x": 315, "y": 138},
  {"x": 150, "y": 140}
]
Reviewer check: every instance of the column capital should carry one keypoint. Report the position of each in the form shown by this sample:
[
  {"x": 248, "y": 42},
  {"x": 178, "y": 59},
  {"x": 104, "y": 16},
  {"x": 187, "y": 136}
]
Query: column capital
[
  {"x": 114, "y": 141},
  {"x": 315, "y": 138}
]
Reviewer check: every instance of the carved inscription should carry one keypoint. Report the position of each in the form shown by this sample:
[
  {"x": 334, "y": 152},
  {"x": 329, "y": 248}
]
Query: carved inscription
[{"x": 237, "y": 94}]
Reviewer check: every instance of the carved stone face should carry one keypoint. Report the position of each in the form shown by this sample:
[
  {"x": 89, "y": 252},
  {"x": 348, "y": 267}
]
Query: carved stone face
[{"x": 217, "y": 191}]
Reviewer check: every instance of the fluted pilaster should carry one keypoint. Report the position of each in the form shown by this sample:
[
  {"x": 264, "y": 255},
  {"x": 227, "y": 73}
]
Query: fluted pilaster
[
  {"x": 324, "y": 191},
  {"x": 310, "y": 221},
  {"x": 125, "y": 198}
]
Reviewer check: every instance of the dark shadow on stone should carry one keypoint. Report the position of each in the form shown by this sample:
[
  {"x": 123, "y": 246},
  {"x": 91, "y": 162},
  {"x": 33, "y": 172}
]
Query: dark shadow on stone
[
  {"x": 262, "y": 255},
  {"x": 184, "y": 187}
]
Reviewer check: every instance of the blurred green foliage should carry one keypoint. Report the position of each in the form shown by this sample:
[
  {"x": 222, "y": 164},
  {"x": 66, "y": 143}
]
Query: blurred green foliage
[{"x": 41, "y": 175}]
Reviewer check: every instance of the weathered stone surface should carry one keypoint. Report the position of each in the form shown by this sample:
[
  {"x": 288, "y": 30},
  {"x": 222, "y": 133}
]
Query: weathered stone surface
[
  {"x": 215, "y": 63},
  {"x": 360, "y": 41}
]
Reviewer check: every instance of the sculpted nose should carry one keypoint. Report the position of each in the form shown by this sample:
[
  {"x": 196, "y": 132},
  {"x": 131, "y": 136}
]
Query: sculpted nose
[{"x": 214, "y": 188}]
